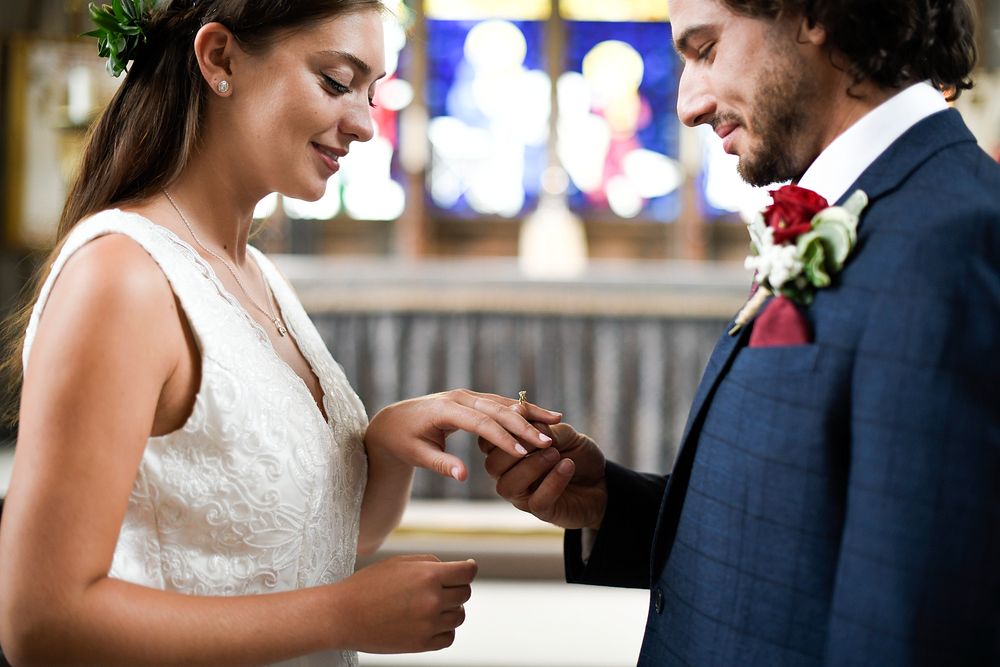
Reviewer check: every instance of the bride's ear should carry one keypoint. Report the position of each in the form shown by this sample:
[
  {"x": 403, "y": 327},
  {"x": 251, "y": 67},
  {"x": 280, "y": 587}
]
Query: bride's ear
[{"x": 216, "y": 48}]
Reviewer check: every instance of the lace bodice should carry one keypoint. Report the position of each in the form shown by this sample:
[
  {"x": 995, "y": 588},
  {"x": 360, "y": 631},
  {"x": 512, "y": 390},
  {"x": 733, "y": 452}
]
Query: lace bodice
[{"x": 257, "y": 492}]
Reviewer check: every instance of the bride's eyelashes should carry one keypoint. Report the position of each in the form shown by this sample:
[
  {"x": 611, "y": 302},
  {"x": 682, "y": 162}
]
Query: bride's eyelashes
[{"x": 336, "y": 88}]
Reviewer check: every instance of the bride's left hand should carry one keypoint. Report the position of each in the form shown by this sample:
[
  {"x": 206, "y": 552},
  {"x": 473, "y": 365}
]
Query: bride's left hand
[{"x": 414, "y": 431}]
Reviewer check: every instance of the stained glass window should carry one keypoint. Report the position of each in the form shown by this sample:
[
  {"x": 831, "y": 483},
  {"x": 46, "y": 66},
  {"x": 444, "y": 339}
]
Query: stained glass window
[
  {"x": 618, "y": 127},
  {"x": 488, "y": 101}
]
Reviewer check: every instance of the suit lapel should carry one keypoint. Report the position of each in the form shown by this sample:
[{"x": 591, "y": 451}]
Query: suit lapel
[
  {"x": 723, "y": 352},
  {"x": 670, "y": 507}
]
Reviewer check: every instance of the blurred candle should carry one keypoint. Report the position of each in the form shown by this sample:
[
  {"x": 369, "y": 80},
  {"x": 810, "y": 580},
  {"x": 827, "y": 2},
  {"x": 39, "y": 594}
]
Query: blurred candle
[
  {"x": 553, "y": 243},
  {"x": 79, "y": 95}
]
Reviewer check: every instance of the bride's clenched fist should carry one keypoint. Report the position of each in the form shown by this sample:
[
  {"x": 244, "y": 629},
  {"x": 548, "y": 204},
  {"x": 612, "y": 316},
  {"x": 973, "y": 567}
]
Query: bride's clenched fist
[{"x": 405, "y": 604}]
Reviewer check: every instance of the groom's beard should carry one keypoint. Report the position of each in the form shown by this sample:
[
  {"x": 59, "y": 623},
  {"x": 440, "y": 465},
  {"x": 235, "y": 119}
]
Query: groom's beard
[{"x": 784, "y": 123}]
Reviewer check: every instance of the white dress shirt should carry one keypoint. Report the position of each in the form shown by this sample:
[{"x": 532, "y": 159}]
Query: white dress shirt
[{"x": 846, "y": 158}]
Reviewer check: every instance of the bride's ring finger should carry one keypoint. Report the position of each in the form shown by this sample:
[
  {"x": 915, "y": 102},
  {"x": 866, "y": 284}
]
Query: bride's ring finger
[{"x": 516, "y": 424}]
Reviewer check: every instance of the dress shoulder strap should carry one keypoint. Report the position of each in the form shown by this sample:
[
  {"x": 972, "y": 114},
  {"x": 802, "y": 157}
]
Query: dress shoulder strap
[{"x": 182, "y": 268}]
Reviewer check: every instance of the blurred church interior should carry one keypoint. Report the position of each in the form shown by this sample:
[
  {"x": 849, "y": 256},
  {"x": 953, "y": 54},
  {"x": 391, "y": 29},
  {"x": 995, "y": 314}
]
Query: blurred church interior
[{"x": 531, "y": 215}]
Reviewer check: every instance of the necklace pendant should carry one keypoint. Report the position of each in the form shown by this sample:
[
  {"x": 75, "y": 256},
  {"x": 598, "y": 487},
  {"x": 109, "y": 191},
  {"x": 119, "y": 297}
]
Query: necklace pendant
[{"x": 281, "y": 327}]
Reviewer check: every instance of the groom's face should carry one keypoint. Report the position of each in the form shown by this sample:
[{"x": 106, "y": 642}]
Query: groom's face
[{"x": 752, "y": 81}]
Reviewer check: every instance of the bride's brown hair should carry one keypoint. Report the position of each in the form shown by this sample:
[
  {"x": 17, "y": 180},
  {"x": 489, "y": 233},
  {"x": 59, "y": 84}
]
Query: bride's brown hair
[{"x": 146, "y": 135}]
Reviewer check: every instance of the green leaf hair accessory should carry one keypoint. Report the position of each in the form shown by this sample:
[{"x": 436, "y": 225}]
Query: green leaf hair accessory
[{"x": 119, "y": 31}]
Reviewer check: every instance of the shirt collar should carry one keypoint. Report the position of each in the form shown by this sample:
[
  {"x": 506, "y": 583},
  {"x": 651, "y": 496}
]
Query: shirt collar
[{"x": 846, "y": 158}]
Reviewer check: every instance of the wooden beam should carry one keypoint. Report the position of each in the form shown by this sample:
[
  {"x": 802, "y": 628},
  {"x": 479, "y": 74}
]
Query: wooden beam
[{"x": 412, "y": 229}]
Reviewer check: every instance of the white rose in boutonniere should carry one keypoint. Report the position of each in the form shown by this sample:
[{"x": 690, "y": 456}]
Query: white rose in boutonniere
[{"x": 798, "y": 244}]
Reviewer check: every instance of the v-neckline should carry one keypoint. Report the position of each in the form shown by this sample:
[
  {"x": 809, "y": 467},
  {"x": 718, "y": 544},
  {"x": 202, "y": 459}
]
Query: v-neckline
[
  {"x": 319, "y": 406},
  {"x": 293, "y": 332}
]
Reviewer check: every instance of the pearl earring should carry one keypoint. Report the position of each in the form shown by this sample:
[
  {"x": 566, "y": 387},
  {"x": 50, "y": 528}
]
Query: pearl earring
[{"x": 223, "y": 87}]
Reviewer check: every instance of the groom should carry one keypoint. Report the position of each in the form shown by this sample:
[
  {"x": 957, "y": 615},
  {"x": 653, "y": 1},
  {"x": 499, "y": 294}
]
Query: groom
[{"x": 836, "y": 498}]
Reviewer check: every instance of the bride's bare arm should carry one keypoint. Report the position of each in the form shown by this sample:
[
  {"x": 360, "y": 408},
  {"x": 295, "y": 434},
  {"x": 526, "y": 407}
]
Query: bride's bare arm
[{"x": 103, "y": 375}]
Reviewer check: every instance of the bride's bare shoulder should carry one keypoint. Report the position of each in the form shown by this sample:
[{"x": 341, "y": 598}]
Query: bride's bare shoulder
[
  {"x": 114, "y": 267},
  {"x": 109, "y": 291}
]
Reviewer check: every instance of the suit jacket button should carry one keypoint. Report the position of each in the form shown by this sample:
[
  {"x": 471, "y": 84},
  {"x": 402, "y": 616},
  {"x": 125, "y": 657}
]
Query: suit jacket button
[{"x": 658, "y": 601}]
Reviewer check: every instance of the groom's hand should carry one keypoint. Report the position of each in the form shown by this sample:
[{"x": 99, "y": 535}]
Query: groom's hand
[{"x": 563, "y": 484}]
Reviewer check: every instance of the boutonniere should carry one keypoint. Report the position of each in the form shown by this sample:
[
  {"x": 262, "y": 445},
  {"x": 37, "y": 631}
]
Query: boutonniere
[{"x": 798, "y": 243}]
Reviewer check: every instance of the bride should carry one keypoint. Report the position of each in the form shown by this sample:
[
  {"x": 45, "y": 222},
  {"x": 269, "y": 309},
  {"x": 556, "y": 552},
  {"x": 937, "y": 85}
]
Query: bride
[{"x": 194, "y": 476}]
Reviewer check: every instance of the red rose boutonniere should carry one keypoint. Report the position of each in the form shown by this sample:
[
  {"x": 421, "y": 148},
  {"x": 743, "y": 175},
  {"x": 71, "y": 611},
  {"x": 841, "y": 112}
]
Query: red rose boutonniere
[
  {"x": 791, "y": 214},
  {"x": 798, "y": 243}
]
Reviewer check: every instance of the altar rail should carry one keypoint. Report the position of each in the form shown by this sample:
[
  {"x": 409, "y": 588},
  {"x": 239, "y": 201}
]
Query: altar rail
[{"x": 619, "y": 352}]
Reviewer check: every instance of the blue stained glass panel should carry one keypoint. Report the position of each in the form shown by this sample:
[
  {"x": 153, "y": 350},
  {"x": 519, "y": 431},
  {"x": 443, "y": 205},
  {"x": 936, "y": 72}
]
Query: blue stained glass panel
[
  {"x": 657, "y": 128},
  {"x": 455, "y": 94}
]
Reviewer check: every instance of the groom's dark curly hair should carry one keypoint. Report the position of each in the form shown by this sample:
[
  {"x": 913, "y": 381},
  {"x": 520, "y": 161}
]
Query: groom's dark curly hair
[{"x": 889, "y": 42}]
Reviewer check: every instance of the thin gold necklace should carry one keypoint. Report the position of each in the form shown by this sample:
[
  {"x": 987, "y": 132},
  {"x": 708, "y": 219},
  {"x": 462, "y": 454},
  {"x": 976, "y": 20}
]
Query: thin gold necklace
[{"x": 269, "y": 313}]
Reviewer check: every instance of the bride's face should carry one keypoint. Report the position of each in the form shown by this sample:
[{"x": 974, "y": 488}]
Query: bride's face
[{"x": 296, "y": 109}]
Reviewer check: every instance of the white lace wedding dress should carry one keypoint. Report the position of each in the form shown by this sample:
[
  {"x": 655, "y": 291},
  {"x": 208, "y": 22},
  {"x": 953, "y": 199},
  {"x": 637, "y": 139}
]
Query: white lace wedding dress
[{"x": 257, "y": 493}]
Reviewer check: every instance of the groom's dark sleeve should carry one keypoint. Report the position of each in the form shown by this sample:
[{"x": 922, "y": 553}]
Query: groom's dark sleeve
[{"x": 621, "y": 554}]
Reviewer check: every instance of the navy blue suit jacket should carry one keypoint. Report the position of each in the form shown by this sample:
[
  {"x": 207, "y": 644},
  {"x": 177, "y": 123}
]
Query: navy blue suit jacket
[{"x": 838, "y": 503}]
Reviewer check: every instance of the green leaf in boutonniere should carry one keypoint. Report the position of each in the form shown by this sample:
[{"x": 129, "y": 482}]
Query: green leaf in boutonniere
[{"x": 812, "y": 252}]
